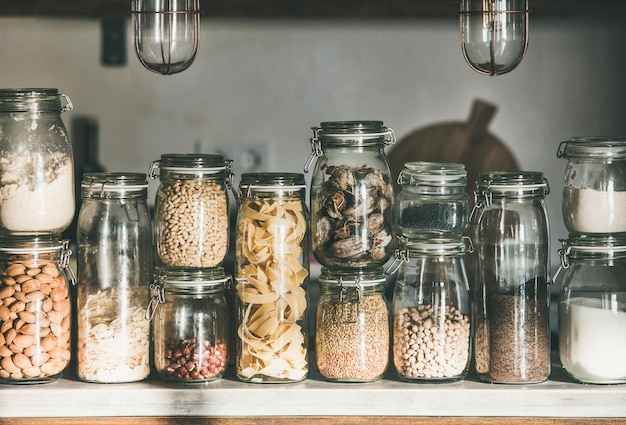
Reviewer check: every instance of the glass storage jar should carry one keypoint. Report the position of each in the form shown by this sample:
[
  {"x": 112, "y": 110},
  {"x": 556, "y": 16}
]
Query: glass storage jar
[
  {"x": 351, "y": 194},
  {"x": 511, "y": 294},
  {"x": 433, "y": 201},
  {"x": 191, "y": 209},
  {"x": 592, "y": 309},
  {"x": 190, "y": 324},
  {"x": 594, "y": 185},
  {"x": 114, "y": 265},
  {"x": 352, "y": 326},
  {"x": 431, "y": 312},
  {"x": 35, "y": 309},
  {"x": 36, "y": 164},
  {"x": 272, "y": 274}
]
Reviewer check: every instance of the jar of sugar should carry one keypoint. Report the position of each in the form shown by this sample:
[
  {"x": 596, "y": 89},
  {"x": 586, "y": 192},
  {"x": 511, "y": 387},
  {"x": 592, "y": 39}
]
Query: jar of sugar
[
  {"x": 594, "y": 186},
  {"x": 592, "y": 308},
  {"x": 36, "y": 164}
]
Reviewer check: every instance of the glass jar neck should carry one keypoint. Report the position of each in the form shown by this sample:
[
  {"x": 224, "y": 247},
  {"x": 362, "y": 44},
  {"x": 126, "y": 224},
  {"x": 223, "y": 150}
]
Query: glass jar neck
[
  {"x": 272, "y": 185},
  {"x": 35, "y": 100},
  {"x": 593, "y": 148},
  {"x": 114, "y": 186},
  {"x": 510, "y": 185}
]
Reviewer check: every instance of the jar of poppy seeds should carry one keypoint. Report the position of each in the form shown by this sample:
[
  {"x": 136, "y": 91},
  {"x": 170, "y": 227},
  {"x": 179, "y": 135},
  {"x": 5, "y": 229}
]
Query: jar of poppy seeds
[{"x": 433, "y": 201}]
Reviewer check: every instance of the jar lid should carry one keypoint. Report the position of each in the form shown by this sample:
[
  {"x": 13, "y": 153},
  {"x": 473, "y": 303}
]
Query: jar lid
[
  {"x": 29, "y": 244},
  {"x": 433, "y": 174},
  {"x": 33, "y": 100},
  {"x": 598, "y": 147},
  {"x": 194, "y": 162},
  {"x": 99, "y": 185},
  {"x": 512, "y": 181},
  {"x": 590, "y": 243},
  {"x": 293, "y": 181},
  {"x": 353, "y": 133},
  {"x": 352, "y": 278},
  {"x": 436, "y": 247}
]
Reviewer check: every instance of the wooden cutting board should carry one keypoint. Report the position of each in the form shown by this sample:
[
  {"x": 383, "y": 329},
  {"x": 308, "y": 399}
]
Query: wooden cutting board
[{"x": 469, "y": 143}]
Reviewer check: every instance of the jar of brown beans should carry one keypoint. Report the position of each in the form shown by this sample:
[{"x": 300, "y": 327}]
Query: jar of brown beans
[
  {"x": 191, "y": 209},
  {"x": 431, "y": 312},
  {"x": 35, "y": 309},
  {"x": 352, "y": 326},
  {"x": 189, "y": 317}
]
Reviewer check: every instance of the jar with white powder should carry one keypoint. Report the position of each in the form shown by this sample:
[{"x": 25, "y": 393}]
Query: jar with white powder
[
  {"x": 114, "y": 275},
  {"x": 594, "y": 192},
  {"x": 36, "y": 164},
  {"x": 592, "y": 309}
]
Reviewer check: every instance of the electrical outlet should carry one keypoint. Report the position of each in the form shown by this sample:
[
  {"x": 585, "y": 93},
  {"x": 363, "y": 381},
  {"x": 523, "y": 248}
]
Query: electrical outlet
[{"x": 246, "y": 157}]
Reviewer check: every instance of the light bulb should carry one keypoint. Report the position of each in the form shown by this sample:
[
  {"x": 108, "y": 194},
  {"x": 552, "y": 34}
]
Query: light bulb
[
  {"x": 494, "y": 34},
  {"x": 166, "y": 33}
]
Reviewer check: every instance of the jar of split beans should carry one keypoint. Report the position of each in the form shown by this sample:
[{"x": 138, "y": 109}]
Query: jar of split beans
[
  {"x": 191, "y": 209},
  {"x": 35, "y": 309},
  {"x": 272, "y": 274},
  {"x": 352, "y": 326},
  {"x": 431, "y": 312},
  {"x": 189, "y": 317}
]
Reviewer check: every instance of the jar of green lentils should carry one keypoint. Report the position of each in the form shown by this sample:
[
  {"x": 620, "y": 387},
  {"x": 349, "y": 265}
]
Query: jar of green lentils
[{"x": 352, "y": 326}]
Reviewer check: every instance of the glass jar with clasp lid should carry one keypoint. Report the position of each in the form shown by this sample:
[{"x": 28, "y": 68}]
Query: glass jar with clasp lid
[
  {"x": 511, "y": 287},
  {"x": 594, "y": 185},
  {"x": 352, "y": 326},
  {"x": 592, "y": 308},
  {"x": 351, "y": 197},
  {"x": 36, "y": 163},
  {"x": 191, "y": 209},
  {"x": 431, "y": 311},
  {"x": 35, "y": 308},
  {"x": 433, "y": 201},
  {"x": 114, "y": 274},
  {"x": 189, "y": 317},
  {"x": 272, "y": 275}
]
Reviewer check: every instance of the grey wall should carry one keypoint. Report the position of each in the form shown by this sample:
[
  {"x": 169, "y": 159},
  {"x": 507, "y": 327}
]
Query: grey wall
[{"x": 263, "y": 84}]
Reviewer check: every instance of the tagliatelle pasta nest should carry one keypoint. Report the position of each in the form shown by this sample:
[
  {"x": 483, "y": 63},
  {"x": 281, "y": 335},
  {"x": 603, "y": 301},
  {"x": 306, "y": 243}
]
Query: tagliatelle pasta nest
[{"x": 270, "y": 240}]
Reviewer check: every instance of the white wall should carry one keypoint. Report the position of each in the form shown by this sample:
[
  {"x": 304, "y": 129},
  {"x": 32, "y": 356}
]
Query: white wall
[{"x": 270, "y": 81}]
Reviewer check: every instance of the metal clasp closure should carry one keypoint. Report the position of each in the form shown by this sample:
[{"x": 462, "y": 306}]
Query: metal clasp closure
[
  {"x": 152, "y": 170},
  {"x": 392, "y": 137},
  {"x": 316, "y": 148},
  {"x": 402, "y": 257},
  {"x": 560, "y": 152},
  {"x": 350, "y": 295},
  {"x": 157, "y": 297},
  {"x": 68, "y": 103},
  {"x": 564, "y": 255},
  {"x": 64, "y": 261}
]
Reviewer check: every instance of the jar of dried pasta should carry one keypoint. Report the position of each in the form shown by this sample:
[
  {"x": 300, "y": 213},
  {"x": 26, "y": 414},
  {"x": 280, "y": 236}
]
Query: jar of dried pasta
[
  {"x": 352, "y": 326},
  {"x": 189, "y": 317},
  {"x": 114, "y": 267},
  {"x": 272, "y": 275},
  {"x": 191, "y": 209},
  {"x": 35, "y": 309},
  {"x": 351, "y": 194}
]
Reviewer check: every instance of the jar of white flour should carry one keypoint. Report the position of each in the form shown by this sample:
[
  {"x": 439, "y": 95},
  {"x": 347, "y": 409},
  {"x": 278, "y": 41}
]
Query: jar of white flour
[
  {"x": 36, "y": 165},
  {"x": 592, "y": 309},
  {"x": 594, "y": 192}
]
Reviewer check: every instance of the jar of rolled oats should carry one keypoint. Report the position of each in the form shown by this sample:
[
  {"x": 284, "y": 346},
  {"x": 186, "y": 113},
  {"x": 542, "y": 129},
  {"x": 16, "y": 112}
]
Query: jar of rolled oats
[
  {"x": 114, "y": 274},
  {"x": 191, "y": 209}
]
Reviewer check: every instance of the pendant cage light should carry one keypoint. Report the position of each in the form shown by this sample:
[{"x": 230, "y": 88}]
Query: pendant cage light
[
  {"x": 494, "y": 34},
  {"x": 166, "y": 34}
]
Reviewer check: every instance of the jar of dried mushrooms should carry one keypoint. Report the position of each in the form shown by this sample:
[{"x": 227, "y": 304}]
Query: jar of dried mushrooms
[
  {"x": 272, "y": 275},
  {"x": 351, "y": 194}
]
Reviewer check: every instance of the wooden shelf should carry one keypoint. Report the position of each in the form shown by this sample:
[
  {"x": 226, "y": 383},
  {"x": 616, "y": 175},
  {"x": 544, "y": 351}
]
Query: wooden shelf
[{"x": 321, "y": 9}]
